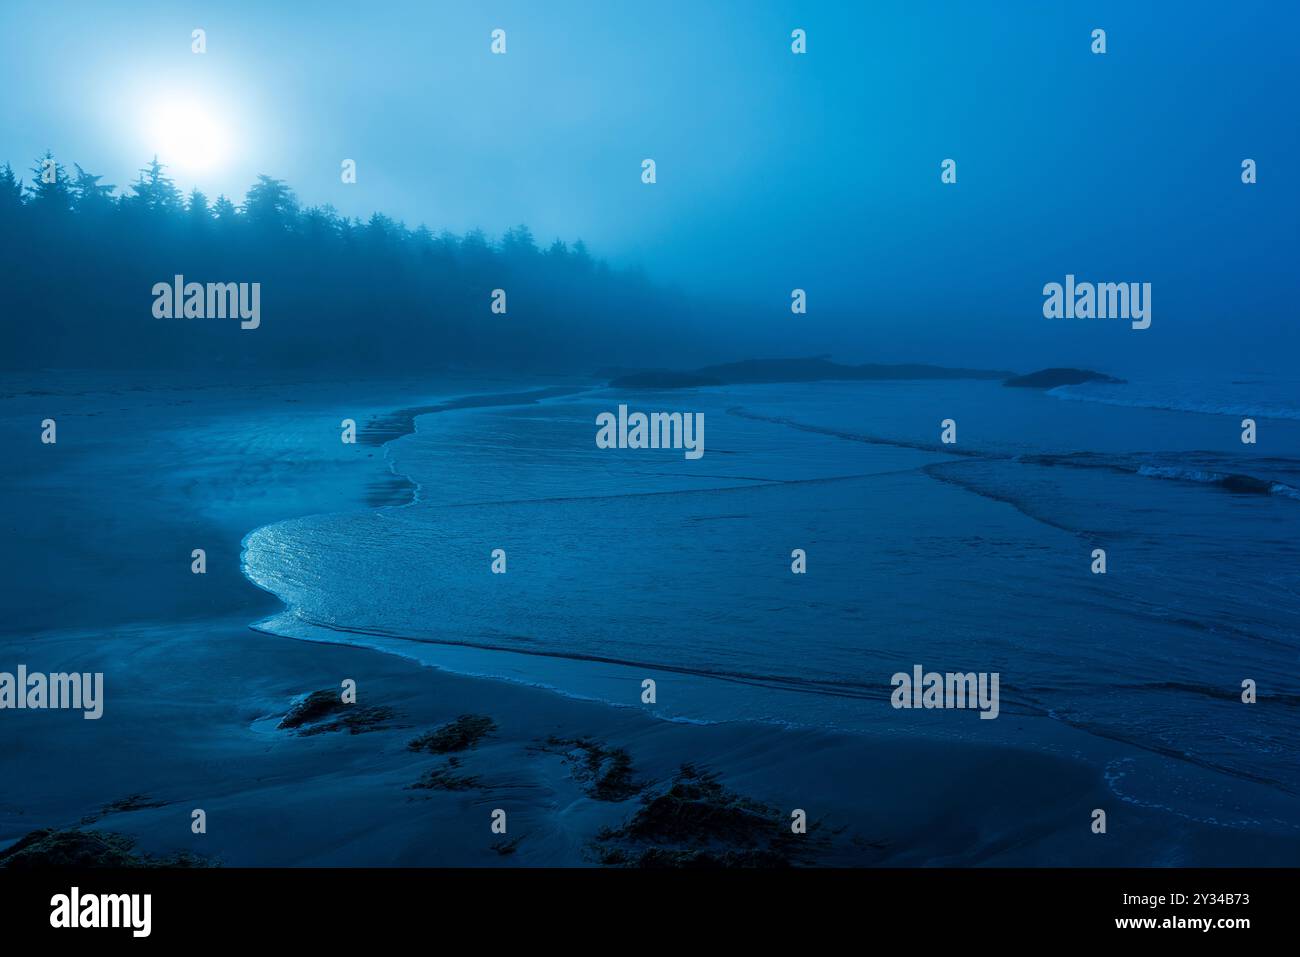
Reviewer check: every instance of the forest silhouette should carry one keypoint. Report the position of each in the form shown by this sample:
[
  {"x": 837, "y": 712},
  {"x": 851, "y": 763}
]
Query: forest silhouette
[{"x": 337, "y": 293}]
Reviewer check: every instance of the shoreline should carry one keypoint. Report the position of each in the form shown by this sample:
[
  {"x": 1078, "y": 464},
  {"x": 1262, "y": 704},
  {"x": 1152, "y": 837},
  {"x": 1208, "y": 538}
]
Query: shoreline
[
  {"x": 565, "y": 769},
  {"x": 402, "y": 422}
]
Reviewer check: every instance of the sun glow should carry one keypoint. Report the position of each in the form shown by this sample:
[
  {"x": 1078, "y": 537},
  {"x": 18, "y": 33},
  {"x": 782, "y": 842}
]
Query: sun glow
[{"x": 188, "y": 135}]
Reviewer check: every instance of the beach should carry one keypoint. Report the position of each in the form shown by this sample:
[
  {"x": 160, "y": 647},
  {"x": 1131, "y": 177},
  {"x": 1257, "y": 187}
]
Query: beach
[{"x": 371, "y": 563}]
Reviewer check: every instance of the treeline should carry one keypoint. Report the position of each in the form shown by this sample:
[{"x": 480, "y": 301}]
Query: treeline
[{"x": 338, "y": 293}]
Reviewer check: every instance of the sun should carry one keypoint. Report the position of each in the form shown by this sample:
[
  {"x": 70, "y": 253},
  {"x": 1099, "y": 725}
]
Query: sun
[{"x": 188, "y": 135}]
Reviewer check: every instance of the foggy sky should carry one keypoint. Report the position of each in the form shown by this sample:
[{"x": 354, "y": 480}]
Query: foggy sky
[{"x": 775, "y": 171}]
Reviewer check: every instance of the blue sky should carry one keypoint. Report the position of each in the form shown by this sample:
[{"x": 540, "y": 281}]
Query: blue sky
[{"x": 774, "y": 170}]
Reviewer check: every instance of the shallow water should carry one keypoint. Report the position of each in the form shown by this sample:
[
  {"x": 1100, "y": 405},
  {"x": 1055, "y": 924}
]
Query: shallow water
[{"x": 633, "y": 564}]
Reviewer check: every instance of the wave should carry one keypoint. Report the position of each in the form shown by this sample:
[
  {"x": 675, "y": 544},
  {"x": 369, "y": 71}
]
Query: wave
[
  {"x": 1232, "y": 481},
  {"x": 1086, "y": 708},
  {"x": 1029, "y": 702},
  {"x": 297, "y": 624},
  {"x": 1199, "y": 467},
  {"x": 1282, "y": 407}
]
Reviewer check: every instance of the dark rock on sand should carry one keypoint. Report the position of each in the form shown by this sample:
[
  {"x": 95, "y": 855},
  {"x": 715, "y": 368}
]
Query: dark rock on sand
[
  {"x": 314, "y": 707},
  {"x": 446, "y": 779},
  {"x": 606, "y": 773},
  {"x": 459, "y": 735},
  {"x": 696, "y": 822},
  {"x": 72, "y": 847},
  {"x": 505, "y": 848},
  {"x": 308, "y": 717},
  {"x": 132, "y": 802}
]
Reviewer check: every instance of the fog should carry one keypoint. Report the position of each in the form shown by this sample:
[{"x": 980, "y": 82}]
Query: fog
[{"x": 774, "y": 170}]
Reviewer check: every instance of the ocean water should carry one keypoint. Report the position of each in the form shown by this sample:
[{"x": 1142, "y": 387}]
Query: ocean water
[{"x": 633, "y": 564}]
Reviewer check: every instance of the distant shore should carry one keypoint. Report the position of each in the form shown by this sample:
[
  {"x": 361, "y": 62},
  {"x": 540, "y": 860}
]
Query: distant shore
[
  {"x": 815, "y": 369},
  {"x": 823, "y": 369}
]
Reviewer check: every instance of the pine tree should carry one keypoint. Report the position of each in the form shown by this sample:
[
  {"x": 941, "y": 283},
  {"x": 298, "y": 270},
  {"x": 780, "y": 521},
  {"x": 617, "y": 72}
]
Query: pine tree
[
  {"x": 155, "y": 192},
  {"x": 11, "y": 191},
  {"x": 50, "y": 191},
  {"x": 381, "y": 229},
  {"x": 89, "y": 196},
  {"x": 320, "y": 221},
  {"x": 224, "y": 210},
  {"x": 518, "y": 242},
  {"x": 197, "y": 208},
  {"x": 580, "y": 256},
  {"x": 270, "y": 204}
]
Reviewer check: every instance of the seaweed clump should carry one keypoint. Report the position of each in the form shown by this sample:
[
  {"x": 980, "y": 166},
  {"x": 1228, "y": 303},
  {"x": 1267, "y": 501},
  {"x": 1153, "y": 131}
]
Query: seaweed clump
[
  {"x": 72, "y": 847},
  {"x": 459, "y": 735},
  {"x": 308, "y": 717},
  {"x": 605, "y": 772},
  {"x": 132, "y": 802},
  {"x": 696, "y": 822},
  {"x": 445, "y": 779}
]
